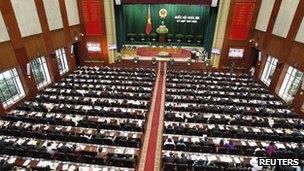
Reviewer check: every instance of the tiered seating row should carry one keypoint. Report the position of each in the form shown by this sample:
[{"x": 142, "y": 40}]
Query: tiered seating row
[
  {"x": 227, "y": 116},
  {"x": 94, "y": 116}
]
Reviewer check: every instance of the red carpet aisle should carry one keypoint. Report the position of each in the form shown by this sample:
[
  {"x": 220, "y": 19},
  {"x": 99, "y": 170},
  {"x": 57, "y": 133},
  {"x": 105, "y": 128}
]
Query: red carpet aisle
[{"x": 154, "y": 131}]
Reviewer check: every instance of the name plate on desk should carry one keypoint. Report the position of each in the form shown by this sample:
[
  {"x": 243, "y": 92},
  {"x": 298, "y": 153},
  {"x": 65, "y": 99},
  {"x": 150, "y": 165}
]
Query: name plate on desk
[
  {"x": 119, "y": 150},
  {"x": 256, "y": 130},
  {"x": 252, "y": 143},
  {"x": 226, "y": 159},
  {"x": 27, "y": 162}
]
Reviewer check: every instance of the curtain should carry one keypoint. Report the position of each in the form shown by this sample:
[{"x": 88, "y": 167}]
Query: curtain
[
  {"x": 135, "y": 18},
  {"x": 120, "y": 33},
  {"x": 209, "y": 34}
]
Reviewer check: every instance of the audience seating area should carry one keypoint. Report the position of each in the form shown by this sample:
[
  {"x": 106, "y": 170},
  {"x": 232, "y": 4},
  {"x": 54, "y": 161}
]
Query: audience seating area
[
  {"x": 222, "y": 121},
  {"x": 93, "y": 116},
  {"x": 96, "y": 118}
]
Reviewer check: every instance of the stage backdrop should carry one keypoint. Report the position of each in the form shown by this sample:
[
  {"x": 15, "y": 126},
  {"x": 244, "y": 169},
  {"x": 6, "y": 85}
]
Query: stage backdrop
[{"x": 133, "y": 19}]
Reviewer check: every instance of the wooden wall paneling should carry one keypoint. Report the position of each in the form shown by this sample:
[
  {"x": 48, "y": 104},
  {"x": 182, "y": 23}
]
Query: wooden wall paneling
[
  {"x": 35, "y": 46},
  {"x": 31, "y": 87},
  {"x": 21, "y": 54},
  {"x": 67, "y": 31},
  {"x": 261, "y": 64},
  {"x": 76, "y": 33},
  {"x": 64, "y": 15},
  {"x": 296, "y": 22},
  {"x": 281, "y": 47},
  {"x": 247, "y": 60},
  {"x": 7, "y": 56},
  {"x": 44, "y": 24},
  {"x": 57, "y": 39},
  {"x": 52, "y": 65},
  {"x": 225, "y": 49},
  {"x": 20, "y": 50},
  {"x": 258, "y": 39},
  {"x": 272, "y": 20},
  {"x": 286, "y": 50},
  {"x": 11, "y": 23},
  {"x": 275, "y": 43},
  {"x": 2, "y": 110},
  {"x": 249, "y": 53},
  {"x": 298, "y": 101},
  {"x": 297, "y": 56},
  {"x": 82, "y": 49},
  {"x": 273, "y": 86},
  {"x": 268, "y": 37},
  {"x": 94, "y": 59}
]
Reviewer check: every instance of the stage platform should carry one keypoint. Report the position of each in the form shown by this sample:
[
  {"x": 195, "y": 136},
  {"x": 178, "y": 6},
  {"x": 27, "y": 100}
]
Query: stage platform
[{"x": 145, "y": 52}]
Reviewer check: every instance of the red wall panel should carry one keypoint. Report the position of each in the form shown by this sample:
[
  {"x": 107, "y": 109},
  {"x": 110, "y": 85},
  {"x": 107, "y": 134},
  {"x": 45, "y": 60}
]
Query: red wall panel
[
  {"x": 241, "y": 21},
  {"x": 91, "y": 15}
]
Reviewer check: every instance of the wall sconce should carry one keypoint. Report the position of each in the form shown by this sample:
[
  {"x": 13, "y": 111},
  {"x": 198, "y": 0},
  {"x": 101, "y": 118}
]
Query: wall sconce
[{"x": 28, "y": 69}]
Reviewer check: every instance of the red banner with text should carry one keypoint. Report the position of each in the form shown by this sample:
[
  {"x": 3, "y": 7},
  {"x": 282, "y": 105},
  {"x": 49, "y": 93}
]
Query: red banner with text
[
  {"x": 92, "y": 17},
  {"x": 241, "y": 21}
]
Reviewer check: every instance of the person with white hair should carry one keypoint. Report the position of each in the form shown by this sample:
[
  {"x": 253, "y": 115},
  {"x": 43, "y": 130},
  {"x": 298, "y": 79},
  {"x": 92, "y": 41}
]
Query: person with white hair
[
  {"x": 254, "y": 164},
  {"x": 252, "y": 71}
]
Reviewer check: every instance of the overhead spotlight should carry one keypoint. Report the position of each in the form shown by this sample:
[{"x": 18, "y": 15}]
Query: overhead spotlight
[
  {"x": 251, "y": 40},
  {"x": 76, "y": 38},
  {"x": 81, "y": 34},
  {"x": 28, "y": 69}
]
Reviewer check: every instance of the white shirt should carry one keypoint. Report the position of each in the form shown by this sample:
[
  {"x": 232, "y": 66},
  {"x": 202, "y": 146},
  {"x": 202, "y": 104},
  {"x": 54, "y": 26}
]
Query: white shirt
[
  {"x": 254, "y": 164},
  {"x": 167, "y": 142}
]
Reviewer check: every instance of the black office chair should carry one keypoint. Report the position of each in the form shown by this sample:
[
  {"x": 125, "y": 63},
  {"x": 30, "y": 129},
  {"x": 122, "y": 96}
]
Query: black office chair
[
  {"x": 9, "y": 150},
  {"x": 198, "y": 167},
  {"x": 211, "y": 168},
  {"x": 87, "y": 159},
  {"x": 72, "y": 157},
  {"x": 180, "y": 147},
  {"x": 181, "y": 167},
  {"x": 169, "y": 166},
  {"x": 235, "y": 151},
  {"x": 133, "y": 143},
  {"x": 249, "y": 152},
  {"x": 169, "y": 147},
  {"x": 46, "y": 155},
  {"x": 261, "y": 153},
  {"x": 34, "y": 153},
  {"x": 60, "y": 156},
  {"x": 207, "y": 149},
  {"x": 223, "y": 150}
]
